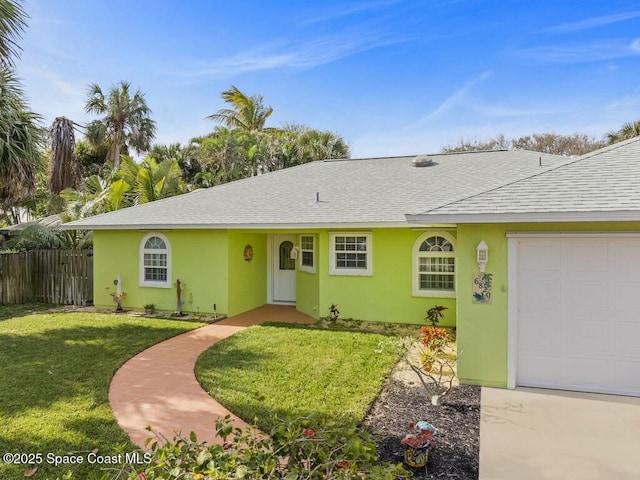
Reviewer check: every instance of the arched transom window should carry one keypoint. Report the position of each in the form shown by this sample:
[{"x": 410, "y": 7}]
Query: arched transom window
[
  {"x": 434, "y": 260},
  {"x": 286, "y": 262},
  {"x": 155, "y": 261}
]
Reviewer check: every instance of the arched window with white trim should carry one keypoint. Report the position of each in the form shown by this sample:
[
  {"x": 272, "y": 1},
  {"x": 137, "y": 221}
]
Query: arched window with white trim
[
  {"x": 155, "y": 261},
  {"x": 434, "y": 265}
]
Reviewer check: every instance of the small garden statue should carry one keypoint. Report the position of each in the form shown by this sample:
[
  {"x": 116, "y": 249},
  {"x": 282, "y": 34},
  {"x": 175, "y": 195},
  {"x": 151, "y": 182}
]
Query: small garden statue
[
  {"x": 418, "y": 442},
  {"x": 333, "y": 312},
  {"x": 179, "y": 286},
  {"x": 118, "y": 297}
]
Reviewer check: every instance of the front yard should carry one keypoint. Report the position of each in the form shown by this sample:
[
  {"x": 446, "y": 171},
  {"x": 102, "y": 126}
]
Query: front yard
[
  {"x": 297, "y": 371},
  {"x": 56, "y": 370}
]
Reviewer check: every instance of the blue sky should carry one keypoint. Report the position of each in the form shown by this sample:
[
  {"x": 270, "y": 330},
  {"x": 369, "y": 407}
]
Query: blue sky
[{"x": 392, "y": 77}]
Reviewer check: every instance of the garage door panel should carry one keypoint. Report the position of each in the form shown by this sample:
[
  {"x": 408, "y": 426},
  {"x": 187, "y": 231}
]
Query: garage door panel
[
  {"x": 627, "y": 296},
  {"x": 626, "y": 260},
  {"x": 626, "y": 339},
  {"x": 586, "y": 257},
  {"x": 536, "y": 337},
  {"x": 540, "y": 290},
  {"x": 578, "y": 313},
  {"x": 627, "y": 377},
  {"x": 589, "y": 373},
  {"x": 539, "y": 255},
  {"x": 586, "y": 338},
  {"x": 587, "y": 296},
  {"x": 533, "y": 367}
]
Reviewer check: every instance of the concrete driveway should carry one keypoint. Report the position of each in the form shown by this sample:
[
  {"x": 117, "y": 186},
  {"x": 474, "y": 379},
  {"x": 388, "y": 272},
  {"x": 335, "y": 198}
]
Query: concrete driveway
[{"x": 548, "y": 434}]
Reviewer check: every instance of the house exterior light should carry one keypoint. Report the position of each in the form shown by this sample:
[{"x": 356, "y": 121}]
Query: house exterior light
[{"x": 482, "y": 255}]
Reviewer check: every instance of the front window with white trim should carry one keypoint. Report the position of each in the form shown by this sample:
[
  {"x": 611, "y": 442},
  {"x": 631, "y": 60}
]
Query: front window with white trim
[
  {"x": 350, "y": 254},
  {"x": 307, "y": 253},
  {"x": 434, "y": 266},
  {"x": 155, "y": 261}
]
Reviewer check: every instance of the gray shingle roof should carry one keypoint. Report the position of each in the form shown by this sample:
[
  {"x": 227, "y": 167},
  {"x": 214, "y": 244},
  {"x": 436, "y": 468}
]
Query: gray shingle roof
[
  {"x": 604, "y": 184},
  {"x": 351, "y": 192}
]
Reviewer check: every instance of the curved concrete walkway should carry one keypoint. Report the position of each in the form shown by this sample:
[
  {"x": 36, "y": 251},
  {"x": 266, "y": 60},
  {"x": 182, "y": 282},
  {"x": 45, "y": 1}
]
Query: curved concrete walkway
[{"x": 158, "y": 387}]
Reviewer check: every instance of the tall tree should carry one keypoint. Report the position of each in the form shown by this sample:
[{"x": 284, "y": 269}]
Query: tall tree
[
  {"x": 245, "y": 112},
  {"x": 21, "y": 138},
  {"x": 152, "y": 180},
  {"x": 553, "y": 143},
  {"x": 627, "y": 131},
  {"x": 566, "y": 145},
  {"x": 64, "y": 170},
  {"x": 12, "y": 24},
  {"x": 20, "y": 134},
  {"x": 126, "y": 121},
  {"x": 185, "y": 156}
]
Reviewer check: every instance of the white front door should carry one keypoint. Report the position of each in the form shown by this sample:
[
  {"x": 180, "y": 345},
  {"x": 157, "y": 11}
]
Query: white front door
[{"x": 283, "y": 269}]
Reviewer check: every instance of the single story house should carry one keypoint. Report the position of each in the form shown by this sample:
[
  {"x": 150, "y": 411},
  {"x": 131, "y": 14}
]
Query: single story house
[{"x": 536, "y": 256}]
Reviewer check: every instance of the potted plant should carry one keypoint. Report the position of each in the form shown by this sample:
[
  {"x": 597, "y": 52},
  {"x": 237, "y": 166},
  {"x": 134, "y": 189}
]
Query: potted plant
[
  {"x": 149, "y": 308},
  {"x": 418, "y": 442}
]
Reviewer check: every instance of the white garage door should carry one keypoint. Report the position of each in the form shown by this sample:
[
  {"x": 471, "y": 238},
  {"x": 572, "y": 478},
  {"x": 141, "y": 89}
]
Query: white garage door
[{"x": 578, "y": 313}]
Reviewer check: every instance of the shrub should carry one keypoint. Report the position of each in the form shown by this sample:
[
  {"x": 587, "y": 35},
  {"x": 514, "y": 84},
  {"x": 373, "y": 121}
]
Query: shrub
[
  {"x": 434, "y": 338},
  {"x": 434, "y": 315},
  {"x": 303, "y": 448}
]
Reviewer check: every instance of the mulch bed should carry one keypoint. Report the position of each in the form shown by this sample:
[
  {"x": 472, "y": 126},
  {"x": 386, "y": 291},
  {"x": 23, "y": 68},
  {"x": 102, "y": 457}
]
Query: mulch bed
[{"x": 457, "y": 420}]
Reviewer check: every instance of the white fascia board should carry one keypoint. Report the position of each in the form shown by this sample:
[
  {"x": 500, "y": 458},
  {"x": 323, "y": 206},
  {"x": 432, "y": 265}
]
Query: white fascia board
[
  {"x": 238, "y": 226},
  {"x": 573, "y": 234},
  {"x": 531, "y": 217}
]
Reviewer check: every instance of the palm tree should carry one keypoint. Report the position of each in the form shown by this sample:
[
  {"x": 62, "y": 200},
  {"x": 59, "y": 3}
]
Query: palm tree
[
  {"x": 65, "y": 170},
  {"x": 246, "y": 112},
  {"x": 152, "y": 180},
  {"x": 158, "y": 180},
  {"x": 20, "y": 134},
  {"x": 185, "y": 156},
  {"x": 126, "y": 121},
  {"x": 20, "y": 140},
  {"x": 627, "y": 131},
  {"x": 97, "y": 195},
  {"x": 12, "y": 23}
]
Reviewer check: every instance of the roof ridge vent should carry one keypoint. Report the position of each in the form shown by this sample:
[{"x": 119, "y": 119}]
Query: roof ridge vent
[{"x": 422, "y": 161}]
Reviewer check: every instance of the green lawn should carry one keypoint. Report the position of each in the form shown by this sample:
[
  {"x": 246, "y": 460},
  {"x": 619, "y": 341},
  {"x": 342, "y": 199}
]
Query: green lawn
[
  {"x": 292, "y": 370},
  {"x": 54, "y": 379}
]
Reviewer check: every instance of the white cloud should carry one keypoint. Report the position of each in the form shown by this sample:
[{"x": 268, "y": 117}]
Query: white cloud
[
  {"x": 318, "y": 51},
  {"x": 52, "y": 96},
  {"x": 592, "y": 22},
  {"x": 347, "y": 10},
  {"x": 581, "y": 52},
  {"x": 455, "y": 99}
]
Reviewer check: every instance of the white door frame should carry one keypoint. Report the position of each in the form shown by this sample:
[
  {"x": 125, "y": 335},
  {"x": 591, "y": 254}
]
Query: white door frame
[{"x": 270, "y": 271}]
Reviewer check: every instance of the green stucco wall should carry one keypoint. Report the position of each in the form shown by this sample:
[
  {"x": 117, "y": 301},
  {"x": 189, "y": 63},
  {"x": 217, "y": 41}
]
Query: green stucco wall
[
  {"x": 247, "y": 280},
  {"x": 211, "y": 263},
  {"x": 386, "y": 296},
  {"x": 199, "y": 259},
  {"x": 482, "y": 328}
]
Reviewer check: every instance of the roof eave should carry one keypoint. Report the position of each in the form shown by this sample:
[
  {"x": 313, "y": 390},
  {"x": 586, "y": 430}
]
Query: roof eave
[
  {"x": 525, "y": 217},
  {"x": 235, "y": 226}
]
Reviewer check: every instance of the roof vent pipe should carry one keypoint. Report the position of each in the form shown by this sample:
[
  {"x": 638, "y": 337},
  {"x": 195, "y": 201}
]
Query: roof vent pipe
[{"x": 422, "y": 161}]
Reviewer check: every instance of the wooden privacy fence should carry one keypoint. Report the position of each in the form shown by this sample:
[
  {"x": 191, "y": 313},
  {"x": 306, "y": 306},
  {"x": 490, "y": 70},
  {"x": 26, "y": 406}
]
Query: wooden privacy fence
[{"x": 47, "y": 276}]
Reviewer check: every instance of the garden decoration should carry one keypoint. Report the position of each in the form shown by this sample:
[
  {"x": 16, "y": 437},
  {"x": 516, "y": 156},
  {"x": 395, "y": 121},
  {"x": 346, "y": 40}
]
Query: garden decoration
[
  {"x": 179, "y": 286},
  {"x": 119, "y": 295},
  {"x": 333, "y": 312},
  {"x": 418, "y": 442}
]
